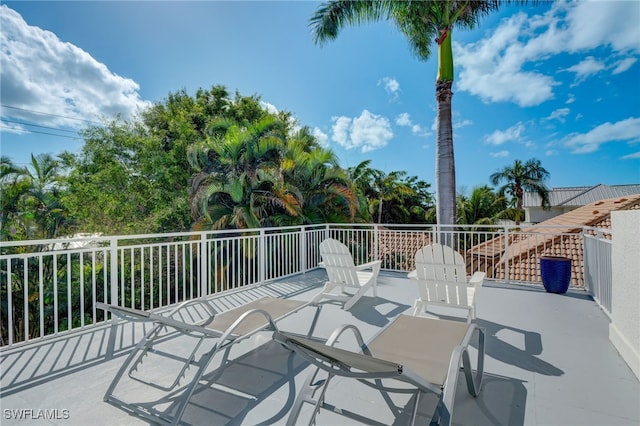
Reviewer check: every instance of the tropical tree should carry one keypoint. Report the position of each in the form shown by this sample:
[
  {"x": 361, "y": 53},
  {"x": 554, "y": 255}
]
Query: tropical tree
[
  {"x": 423, "y": 23},
  {"x": 361, "y": 177},
  {"x": 14, "y": 187},
  {"x": 481, "y": 207},
  {"x": 234, "y": 189},
  {"x": 388, "y": 187},
  {"x": 323, "y": 189},
  {"x": 265, "y": 175},
  {"x": 392, "y": 197},
  {"x": 31, "y": 199},
  {"x": 520, "y": 177}
]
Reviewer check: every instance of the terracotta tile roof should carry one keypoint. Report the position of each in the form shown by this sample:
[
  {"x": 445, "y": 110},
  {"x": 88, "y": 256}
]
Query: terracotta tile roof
[
  {"x": 390, "y": 243},
  {"x": 525, "y": 248}
]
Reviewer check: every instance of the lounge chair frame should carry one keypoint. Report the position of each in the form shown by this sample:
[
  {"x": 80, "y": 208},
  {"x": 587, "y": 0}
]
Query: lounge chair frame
[
  {"x": 352, "y": 281},
  {"x": 226, "y": 329},
  {"x": 365, "y": 367}
]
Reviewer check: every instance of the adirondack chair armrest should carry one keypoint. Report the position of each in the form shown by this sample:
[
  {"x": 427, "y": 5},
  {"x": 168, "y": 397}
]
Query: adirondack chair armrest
[
  {"x": 477, "y": 279},
  {"x": 375, "y": 265}
]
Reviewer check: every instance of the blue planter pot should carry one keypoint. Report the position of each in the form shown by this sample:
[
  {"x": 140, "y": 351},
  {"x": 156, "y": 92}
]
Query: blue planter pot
[{"x": 556, "y": 273}]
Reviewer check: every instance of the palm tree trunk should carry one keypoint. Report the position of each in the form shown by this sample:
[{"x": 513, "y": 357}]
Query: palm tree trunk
[
  {"x": 445, "y": 163},
  {"x": 519, "y": 195}
]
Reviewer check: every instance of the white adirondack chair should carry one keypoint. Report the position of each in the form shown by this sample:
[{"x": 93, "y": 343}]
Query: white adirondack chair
[
  {"x": 442, "y": 281},
  {"x": 347, "y": 282}
]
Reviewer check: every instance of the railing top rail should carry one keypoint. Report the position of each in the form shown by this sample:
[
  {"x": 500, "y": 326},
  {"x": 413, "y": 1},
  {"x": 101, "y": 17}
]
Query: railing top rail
[
  {"x": 109, "y": 238},
  {"x": 557, "y": 228}
]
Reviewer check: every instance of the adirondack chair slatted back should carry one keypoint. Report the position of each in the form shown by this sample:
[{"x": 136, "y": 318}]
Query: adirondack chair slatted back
[
  {"x": 338, "y": 263},
  {"x": 443, "y": 274}
]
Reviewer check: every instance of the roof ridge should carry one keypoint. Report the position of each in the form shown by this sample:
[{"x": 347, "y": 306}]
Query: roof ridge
[{"x": 581, "y": 194}]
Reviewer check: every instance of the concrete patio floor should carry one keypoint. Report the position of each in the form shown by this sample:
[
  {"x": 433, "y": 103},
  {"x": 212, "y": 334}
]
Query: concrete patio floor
[{"x": 548, "y": 362}]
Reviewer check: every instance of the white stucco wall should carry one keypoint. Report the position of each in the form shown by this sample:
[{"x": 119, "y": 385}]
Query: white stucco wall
[{"x": 624, "y": 330}]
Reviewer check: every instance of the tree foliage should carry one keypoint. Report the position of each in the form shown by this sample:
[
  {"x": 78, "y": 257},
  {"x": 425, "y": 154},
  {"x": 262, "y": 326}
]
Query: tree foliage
[
  {"x": 520, "y": 177},
  {"x": 199, "y": 162}
]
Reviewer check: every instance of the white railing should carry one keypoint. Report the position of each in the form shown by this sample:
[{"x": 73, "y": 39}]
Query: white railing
[
  {"x": 598, "y": 275},
  {"x": 49, "y": 287}
]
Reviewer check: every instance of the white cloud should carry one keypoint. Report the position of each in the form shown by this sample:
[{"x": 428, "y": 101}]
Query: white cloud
[
  {"x": 404, "y": 120},
  {"x": 269, "y": 107},
  {"x": 617, "y": 25},
  {"x": 367, "y": 132},
  {"x": 586, "y": 68},
  {"x": 322, "y": 137},
  {"x": 632, "y": 156},
  {"x": 571, "y": 99},
  {"x": 512, "y": 134},
  {"x": 498, "y": 67},
  {"x": 499, "y": 154},
  {"x": 550, "y": 152},
  {"x": 623, "y": 65},
  {"x": 558, "y": 114},
  {"x": 627, "y": 130},
  {"x": 42, "y": 73},
  {"x": 391, "y": 86},
  {"x": 462, "y": 123}
]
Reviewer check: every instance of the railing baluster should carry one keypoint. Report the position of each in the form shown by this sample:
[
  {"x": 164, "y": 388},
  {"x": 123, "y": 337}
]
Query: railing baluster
[{"x": 41, "y": 295}]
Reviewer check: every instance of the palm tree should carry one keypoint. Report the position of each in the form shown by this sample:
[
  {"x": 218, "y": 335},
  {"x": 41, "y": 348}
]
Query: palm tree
[
  {"x": 529, "y": 176},
  {"x": 422, "y": 22},
  {"x": 44, "y": 171},
  {"x": 389, "y": 187},
  {"x": 482, "y": 207},
  {"x": 235, "y": 188},
  {"x": 15, "y": 186},
  {"x": 361, "y": 177},
  {"x": 323, "y": 190},
  {"x": 263, "y": 175}
]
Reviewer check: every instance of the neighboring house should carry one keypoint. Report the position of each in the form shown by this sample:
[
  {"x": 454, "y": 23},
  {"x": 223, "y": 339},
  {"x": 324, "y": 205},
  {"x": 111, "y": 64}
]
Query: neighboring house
[
  {"x": 77, "y": 241},
  {"x": 564, "y": 200},
  {"x": 521, "y": 253}
]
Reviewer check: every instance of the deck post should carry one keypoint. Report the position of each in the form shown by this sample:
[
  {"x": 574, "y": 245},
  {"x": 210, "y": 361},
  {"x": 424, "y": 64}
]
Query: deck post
[
  {"x": 114, "y": 271},
  {"x": 303, "y": 249},
  {"x": 204, "y": 260},
  {"x": 262, "y": 261}
]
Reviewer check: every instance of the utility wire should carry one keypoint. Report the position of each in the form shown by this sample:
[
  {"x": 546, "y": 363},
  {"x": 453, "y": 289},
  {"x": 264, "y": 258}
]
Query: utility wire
[
  {"x": 46, "y": 113},
  {"x": 37, "y": 125},
  {"x": 41, "y": 133}
]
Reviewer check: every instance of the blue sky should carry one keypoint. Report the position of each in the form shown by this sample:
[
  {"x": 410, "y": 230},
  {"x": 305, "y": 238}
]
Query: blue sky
[{"x": 559, "y": 82}]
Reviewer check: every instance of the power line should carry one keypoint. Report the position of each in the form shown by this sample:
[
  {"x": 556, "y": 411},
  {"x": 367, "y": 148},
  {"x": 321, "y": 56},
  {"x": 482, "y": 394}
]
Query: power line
[
  {"x": 41, "y": 133},
  {"x": 46, "y": 113},
  {"x": 37, "y": 125}
]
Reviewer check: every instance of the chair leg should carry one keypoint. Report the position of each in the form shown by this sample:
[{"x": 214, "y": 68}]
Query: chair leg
[
  {"x": 417, "y": 307},
  {"x": 473, "y": 384},
  {"x": 349, "y": 303},
  {"x": 328, "y": 287},
  {"x": 306, "y": 394}
]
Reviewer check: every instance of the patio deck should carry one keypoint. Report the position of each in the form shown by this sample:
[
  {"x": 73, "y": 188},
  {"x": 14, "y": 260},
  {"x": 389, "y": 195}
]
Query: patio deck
[{"x": 548, "y": 362}]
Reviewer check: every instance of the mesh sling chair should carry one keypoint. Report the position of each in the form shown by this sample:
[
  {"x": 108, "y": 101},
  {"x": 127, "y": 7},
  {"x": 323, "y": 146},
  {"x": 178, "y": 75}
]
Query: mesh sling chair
[
  {"x": 430, "y": 363},
  {"x": 197, "y": 320}
]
